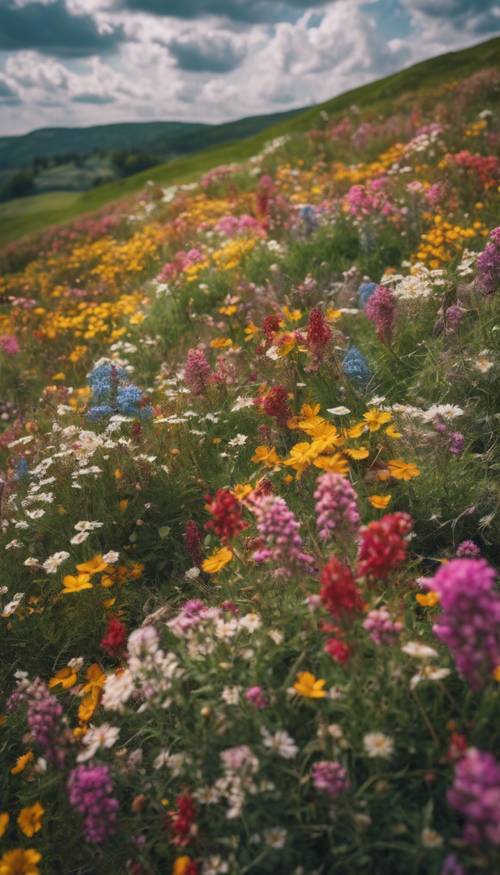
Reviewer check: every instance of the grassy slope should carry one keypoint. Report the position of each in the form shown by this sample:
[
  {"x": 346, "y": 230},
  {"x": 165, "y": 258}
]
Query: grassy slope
[{"x": 26, "y": 215}]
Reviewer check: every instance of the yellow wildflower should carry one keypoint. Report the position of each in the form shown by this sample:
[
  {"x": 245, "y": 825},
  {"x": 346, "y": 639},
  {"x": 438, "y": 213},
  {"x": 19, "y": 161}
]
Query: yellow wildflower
[
  {"x": 308, "y": 686},
  {"x": 401, "y": 470},
  {"x": 393, "y": 433},
  {"x": 93, "y": 566},
  {"x": 376, "y": 418},
  {"x": 336, "y": 463},
  {"x": 76, "y": 583},
  {"x": 301, "y": 456},
  {"x": 242, "y": 490},
  {"x": 358, "y": 453},
  {"x": 20, "y": 862},
  {"x": 181, "y": 865},
  {"x": 379, "y": 501},
  {"x": 65, "y": 677},
  {"x": 22, "y": 762},
  {"x": 217, "y": 560},
  {"x": 30, "y": 819},
  {"x": 428, "y": 600},
  {"x": 266, "y": 456}
]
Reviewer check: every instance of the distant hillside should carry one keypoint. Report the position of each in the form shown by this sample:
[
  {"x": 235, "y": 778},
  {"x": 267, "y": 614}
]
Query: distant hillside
[
  {"x": 239, "y": 140},
  {"x": 157, "y": 138}
]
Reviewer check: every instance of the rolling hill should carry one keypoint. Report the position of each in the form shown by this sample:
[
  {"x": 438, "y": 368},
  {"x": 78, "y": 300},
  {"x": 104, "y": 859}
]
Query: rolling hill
[{"x": 237, "y": 140}]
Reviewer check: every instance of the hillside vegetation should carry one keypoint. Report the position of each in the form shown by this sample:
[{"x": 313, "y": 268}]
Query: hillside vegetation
[
  {"x": 250, "y": 503},
  {"x": 24, "y": 216}
]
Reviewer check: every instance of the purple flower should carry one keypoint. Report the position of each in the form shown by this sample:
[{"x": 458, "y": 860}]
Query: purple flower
[
  {"x": 330, "y": 777},
  {"x": 469, "y": 623},
  {"x": 381, "y": 309},
  {"x": 197, "y": 372},
  {"x": 488, "y": 264},
  {"x": 336, "y": 505},
  {"x": 468, "y": 550},
  {"x": 257, "y": 697},
  {"x": 279, "y": 528},
  {"x": 90, "y": 791},
  {"x": 475, "y": 794},
  {"x": 9, "y": 344},
  {"x": 44, "y": 718},
  {"x": 457, "y": 443},
  {"x": 452, "y": 866},
  {"x": 381, "y": 628}
]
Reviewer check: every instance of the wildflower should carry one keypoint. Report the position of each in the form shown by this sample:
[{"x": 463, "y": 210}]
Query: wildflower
[
  {"x": 217, "y": 561},
  {"x": 429, "y": 600},
  {"x": 375, "y": 419},
  {"x": 319, "y": 335},
  {"x": 308, "y": 686},
  {"x": 452, "y": 866},
  {"x": 266, "y": 456},
  {"x": 256, "y": 697},
  {"x": 76, "y": 583},
  {"x": 475, "y": 794},
  {"x": 197, "y": 372},
  {"x": 21, "y": 762},
  {"x": 429, "y": 673},
  {"x": 365, "y": 292},
  {"x": 382, "y": 629},
  {"x": 431, "y": 839},
  {"x": 182, "y": 820},
  {"x": 275, "y": 837},
  {"x": 330, "y": 777},
  {"x": 339, "y": 592},
  {"x": 338, "y": 650},
  {"x": 381, "y": 309},
  {"x": 90, "y": 792},
  {"x": 382, "y": 545},
  {"x": 275, "y": 404},
  {"x": 469, "y": 623},
  {"x": 379, "y": 501},
  {"x": 113, "y": 641},
  {"x": 419, "y": 651},
  {"x": 336, "y": 505},
  {"x": 468, "y": 550},
  {"x": 30, "y": 819},
  {"x": 66, "y": 677},
  {"x": 4, "y": 822},
  {"x": 279, "y": 528},
  {"x": 376, "y": 744},
  {"x": 185, "y": 866},
  {"x": 355, "y": 366},
  {"x": 488, "y": 265},
  {"x": 280, "y": 743},
  {"x": 98, "y": 738},
  {"x": 226, "y": 521},
  {"x": 20, "y": 862},
  {"x": 44, "y": 719},
  {"x": 53, "y": 562}
]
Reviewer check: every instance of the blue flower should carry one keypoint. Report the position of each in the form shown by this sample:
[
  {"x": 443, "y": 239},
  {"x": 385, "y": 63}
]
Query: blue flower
[
  {"x": 365, "y": 292},
  {"x": 100, "y": 411},
  {"x": 355, "y": 366}
]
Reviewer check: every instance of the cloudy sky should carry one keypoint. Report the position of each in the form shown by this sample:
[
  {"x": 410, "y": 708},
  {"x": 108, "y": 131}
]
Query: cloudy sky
[{"x": 82, "y": 62}]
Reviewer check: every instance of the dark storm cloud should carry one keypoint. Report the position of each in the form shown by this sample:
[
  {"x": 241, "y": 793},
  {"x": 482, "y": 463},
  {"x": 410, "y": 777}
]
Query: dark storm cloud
[
  {"x": 219, "y": 55},
  {"x": 241, "y": 11},
  {"x": 477, "y": 16},
  {"x": 7, "y": 95},
  {"x": 52, "y": 30}
]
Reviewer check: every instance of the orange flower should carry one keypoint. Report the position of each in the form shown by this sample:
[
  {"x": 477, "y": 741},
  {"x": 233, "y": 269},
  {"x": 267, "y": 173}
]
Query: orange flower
[
  {"x": 308, "y": 686},
  {"x": 217, "y": 560},
  {"x": 65, "y": 677},
  {"x": 266, "y": 456},
  {"x": 358, "y": 453},
  {"x": 428, "y": 600},
  {"x": 4, "y": 822},
  {"x": 76, "y": 583},
  {"x": 22, "y": 762},
  {"x": 20, "y": 862},
  {"x": 336, "y": 463},
  {"x": 379, "y": 501},
  {"x": 401, "y": 470},
  {"x": 30, "y": 819}
]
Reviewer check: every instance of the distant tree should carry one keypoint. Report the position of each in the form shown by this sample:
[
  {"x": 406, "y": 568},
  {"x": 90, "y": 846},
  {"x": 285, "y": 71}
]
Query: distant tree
[
  {"x": 20, "y": 184},
  {"x": 126, "y": 162}
]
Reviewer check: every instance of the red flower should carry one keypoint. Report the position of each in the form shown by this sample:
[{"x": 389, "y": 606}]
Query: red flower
[
  {"x": 182, "y": 820},
  {"x": 192, "y": 542},
  {"x": 318, "y": 332},
  {"x": 275, "y": 404},
  {"x": 114, "y": 638},
  {"x": 338, "y": 650},
  {"x": 270, "y": 326},
  {"x": 339, "y": 592},
  {"x": 382, "y": 545},
  {"x": 226, "y": 521}
]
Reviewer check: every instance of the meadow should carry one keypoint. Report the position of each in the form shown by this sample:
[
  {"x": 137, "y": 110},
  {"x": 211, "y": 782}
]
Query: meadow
[{"x": 250, "y": 505}]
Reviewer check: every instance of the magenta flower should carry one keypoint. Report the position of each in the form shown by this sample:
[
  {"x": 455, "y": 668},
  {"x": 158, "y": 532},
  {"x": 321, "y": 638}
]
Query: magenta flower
[
  {"x": 90, "y": 791},
  {"x": 381, "y": 310},
  {"x": 381, "y": 628},
  {"x": 475, "y": 794},
  {"x": 336, "y": 506},
  {"x": 280, "y": 531},
  {"x": 197, "y": 372},
  {"x": 330, "y": 777},
  {"x": 469, "y": 623},
  {"x": 9, "y": 344}
]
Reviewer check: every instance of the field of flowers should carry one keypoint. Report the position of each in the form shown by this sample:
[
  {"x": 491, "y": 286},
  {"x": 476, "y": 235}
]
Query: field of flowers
[{"x": 250, "y": 513}]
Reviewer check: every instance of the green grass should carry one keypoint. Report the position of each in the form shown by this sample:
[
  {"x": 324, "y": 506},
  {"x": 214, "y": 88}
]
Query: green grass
[{"x": 24, "y": 216}]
